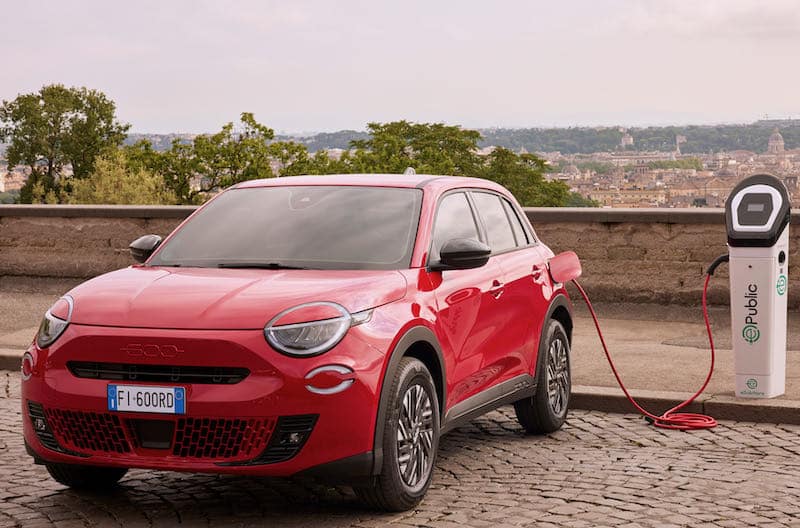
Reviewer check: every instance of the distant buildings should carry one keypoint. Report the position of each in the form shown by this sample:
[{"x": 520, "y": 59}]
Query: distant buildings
[{"x": 659, "y": 179}]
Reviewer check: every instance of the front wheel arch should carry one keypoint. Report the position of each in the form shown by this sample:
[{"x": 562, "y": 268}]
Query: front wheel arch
[{"x": 420, "y": 343}]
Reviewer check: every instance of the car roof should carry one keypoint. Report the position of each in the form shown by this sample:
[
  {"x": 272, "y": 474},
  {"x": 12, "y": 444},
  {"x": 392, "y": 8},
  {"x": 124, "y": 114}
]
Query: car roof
[{"x": 420, "y": 181}]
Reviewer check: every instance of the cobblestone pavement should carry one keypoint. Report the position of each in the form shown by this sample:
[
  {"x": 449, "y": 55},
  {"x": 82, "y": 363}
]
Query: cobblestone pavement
[{"x": 599, "y": 470}]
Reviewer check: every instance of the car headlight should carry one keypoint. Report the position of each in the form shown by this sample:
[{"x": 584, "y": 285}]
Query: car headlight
[
  {"x": 54, "y": 322},
  {"x": 312, "y": 337}
]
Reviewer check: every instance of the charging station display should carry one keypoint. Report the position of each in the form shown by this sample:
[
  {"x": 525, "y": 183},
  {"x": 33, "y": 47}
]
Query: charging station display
[{"x": 757, "y": 216}]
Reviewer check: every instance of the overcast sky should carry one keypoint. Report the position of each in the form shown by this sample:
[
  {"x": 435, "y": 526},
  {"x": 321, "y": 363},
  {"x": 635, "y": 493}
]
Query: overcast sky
[{"x": 300, "y": 65}]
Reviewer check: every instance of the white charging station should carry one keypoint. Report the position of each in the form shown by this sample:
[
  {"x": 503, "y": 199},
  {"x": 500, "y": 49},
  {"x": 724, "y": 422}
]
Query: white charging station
[{"x": 757, "y": 215}]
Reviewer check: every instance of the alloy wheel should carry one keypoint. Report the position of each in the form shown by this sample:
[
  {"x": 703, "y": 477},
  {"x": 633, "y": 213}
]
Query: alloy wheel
[
  {"x": 557, "y": 376},
  {"x": 415, "y": 437}
]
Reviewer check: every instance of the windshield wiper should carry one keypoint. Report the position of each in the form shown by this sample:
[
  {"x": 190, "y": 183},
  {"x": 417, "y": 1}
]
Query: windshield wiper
[{"x": 259, "y": 265}]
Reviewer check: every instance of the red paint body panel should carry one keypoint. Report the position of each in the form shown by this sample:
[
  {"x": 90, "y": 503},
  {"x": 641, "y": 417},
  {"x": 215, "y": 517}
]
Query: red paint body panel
[
  {"x": 223, "y": 299},
  {"x": 487, "y": 321},
  {"x": 565, "y": 267}
]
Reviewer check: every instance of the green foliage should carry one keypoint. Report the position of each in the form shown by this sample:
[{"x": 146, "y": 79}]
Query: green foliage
[
  {"x": 9, "y": 197},
  {"x": 564, "y": 140},
  {"x": 699, "y": 139},
  {"x": 431, "y": 148},
  {"x": 522, "y": 174},
  {"x": 578, "y": 200},
  {"x": 210, "y": 162},
  {"x": 60, "y": 127},
  {"x": 686, "y": 163},
  {"x": 54, "y": 128},
  {"x": 117, "y": 180},
  {"x": 327, "y": 140},
  {"x": 441, "y": 149}
]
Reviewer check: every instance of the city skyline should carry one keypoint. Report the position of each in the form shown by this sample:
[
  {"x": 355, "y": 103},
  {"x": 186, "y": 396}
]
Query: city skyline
[{"x": 312, "y": 67}]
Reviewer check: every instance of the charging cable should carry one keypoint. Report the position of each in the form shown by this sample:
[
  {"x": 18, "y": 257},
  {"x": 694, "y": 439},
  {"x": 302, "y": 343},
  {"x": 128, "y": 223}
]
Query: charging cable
[{"x": 671, "y": 419}]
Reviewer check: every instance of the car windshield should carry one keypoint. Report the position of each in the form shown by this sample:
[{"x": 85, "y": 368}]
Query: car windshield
[{"x": 316, "y": 227}]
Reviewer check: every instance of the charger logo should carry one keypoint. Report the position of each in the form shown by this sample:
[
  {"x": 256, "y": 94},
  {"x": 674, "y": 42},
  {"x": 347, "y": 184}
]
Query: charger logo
[
  {"x": 750, "y": 332},
  {"x": 781, "y": 286}
]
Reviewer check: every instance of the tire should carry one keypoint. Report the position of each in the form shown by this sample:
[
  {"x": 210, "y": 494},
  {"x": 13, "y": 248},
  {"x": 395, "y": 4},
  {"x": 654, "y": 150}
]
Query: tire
[
  {"x": 86, "y": 477},
  {"x": 546, "y": 411},
  {"x": 401, "y": 484}
]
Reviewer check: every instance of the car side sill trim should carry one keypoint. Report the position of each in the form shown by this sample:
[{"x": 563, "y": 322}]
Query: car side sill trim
[{"x": 509, "y": 391}]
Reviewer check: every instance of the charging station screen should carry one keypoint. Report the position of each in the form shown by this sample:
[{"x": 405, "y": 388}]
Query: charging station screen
[{"x": 754, "y": 209}]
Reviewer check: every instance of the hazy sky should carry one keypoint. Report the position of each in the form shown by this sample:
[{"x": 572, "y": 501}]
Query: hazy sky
[{"x": 326, "y": 65}]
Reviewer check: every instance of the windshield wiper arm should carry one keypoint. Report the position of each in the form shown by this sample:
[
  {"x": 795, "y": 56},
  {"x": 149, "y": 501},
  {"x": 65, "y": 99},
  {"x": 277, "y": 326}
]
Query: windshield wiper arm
[{"x": 258, "y": 265}]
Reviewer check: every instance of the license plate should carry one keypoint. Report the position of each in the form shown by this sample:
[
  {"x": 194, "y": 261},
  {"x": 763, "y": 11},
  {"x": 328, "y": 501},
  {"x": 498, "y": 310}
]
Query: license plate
[{"x": 138, "y": 398}]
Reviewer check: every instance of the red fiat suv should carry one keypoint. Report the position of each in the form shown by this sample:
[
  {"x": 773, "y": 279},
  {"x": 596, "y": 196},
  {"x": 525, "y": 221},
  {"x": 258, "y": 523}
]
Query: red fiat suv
[{"x": 332, "y": 326}]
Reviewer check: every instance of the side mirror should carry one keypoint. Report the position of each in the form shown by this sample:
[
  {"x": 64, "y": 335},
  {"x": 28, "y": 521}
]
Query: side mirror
[
  {"x": 463, "y": 253},
  {"x": 143, "y": 247},
  {"x": 565, "y": 267}
]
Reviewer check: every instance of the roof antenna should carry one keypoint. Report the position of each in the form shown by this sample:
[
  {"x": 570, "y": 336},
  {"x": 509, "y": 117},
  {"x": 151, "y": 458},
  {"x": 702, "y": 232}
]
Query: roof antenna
[{"x": 409, "y": 171}]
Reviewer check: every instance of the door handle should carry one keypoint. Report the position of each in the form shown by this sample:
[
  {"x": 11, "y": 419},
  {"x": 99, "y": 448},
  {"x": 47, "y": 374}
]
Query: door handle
[
  {"x": 497, "y": 289},
  {"x": 537, "y": 272}
]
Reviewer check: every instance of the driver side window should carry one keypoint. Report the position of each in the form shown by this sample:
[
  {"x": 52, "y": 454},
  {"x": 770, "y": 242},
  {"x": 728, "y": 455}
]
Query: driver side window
[{"x": 454, "y": 219}]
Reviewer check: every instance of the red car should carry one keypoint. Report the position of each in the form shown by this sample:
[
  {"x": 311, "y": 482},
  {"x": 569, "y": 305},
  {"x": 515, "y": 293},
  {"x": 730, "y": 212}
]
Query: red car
[{"x": 332, "y": 326}]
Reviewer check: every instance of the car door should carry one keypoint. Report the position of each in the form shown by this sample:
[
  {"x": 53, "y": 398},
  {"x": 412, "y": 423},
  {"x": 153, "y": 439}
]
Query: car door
[
  {"x": 466, "y": 301},
  {"x": 526, "y": 285}
]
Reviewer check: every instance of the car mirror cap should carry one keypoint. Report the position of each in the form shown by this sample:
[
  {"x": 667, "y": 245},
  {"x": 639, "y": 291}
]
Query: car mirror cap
[
  {"x": 143, "y": 247},
  {"x": 463, "y": 253}
]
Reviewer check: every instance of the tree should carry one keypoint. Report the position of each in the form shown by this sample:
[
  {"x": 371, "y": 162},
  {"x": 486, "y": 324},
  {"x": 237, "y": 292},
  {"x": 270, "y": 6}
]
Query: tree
[
  {"x": 54, "y": 128},
  {"x": 9, "y": 197},
  {"x": 210, "y": 162},
  {"x": 116, "y": 180},
  {"x": 578, "y": 200},
  {"x": 432, "y": 148},
  {"x": 522, "y": 174}
]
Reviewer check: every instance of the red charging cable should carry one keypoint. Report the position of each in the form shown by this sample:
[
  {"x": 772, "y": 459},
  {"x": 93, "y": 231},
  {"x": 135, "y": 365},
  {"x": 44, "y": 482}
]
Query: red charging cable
[{"x": 671, "y": 419}]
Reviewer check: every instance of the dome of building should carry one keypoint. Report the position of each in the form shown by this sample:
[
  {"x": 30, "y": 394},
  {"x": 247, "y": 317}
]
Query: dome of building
[{"x": 775, "y": 144}]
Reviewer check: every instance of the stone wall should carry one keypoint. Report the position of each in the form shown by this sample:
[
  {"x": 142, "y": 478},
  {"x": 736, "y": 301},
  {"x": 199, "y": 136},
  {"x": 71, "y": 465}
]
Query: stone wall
[
  {"x": 631, "y": 255},
  {"x": 72, "y": 241},
  {"x": 649, "y": 255}
]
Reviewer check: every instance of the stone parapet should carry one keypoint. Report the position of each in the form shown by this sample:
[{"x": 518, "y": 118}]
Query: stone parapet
[{"x": 628, "y": 255}]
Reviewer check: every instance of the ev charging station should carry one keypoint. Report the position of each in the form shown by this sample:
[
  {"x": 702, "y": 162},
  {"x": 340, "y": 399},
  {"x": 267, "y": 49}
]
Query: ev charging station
[{"x": 757, "y": 215}]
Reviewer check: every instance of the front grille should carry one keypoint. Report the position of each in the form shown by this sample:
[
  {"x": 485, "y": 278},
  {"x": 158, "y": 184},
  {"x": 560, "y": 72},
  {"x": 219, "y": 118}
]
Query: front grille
[
  {"x": 88, "y": 431},
  {"x": 222, "y": 440},
  {"x": 212, "y": 438},
  {"x": 162, "y": 373}
]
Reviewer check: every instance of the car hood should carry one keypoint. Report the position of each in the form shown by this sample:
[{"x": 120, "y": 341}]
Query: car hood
[{"x": 222, "y": 299}]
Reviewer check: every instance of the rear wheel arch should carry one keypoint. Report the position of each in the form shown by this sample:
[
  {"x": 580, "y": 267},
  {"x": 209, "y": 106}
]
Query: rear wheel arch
[
  {"x": 559, "y": 310},
  {"x": 561, "y": 313},
  {"x": 420, "y": 343}
]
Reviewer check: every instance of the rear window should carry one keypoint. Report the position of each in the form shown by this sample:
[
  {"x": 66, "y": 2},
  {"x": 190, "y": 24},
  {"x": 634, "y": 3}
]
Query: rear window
[{"x": 495, "y": 219}]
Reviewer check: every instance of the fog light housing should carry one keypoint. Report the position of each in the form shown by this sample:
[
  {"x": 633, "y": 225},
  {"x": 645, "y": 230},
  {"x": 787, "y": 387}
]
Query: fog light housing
[
  {"x": 292, "y": 438},
  {"x": 39, "y": 424}
]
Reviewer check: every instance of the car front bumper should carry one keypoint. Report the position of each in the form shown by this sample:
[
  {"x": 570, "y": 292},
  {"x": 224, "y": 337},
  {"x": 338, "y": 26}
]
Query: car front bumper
[{"x": 272, "y": 422}]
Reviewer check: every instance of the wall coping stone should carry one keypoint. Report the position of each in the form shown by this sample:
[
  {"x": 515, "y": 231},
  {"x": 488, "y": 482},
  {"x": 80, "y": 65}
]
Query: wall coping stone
[
  {"x": 98, "y": 211},
  {"x": 536, "y": 214}
]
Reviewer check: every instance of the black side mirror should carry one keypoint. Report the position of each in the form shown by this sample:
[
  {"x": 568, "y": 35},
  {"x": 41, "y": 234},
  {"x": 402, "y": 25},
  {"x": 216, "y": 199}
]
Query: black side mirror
[
  {"x": 143, "y": 247},
  {"x": 463, "y": 253}
]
